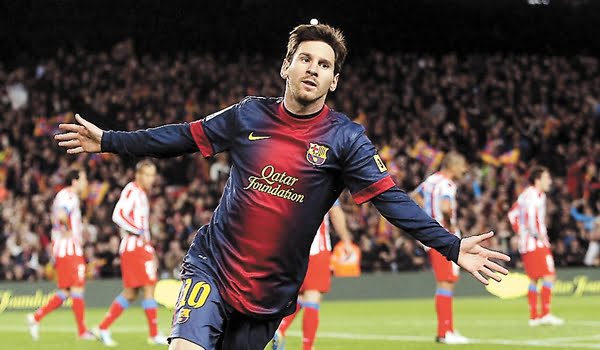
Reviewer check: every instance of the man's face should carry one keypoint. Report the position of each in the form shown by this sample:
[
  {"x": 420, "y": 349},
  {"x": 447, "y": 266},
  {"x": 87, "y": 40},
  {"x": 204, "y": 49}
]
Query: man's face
[
  {"x": 460, "y": 169},
  {"x": 546, "y": 181},
  {"x": 145, "y": 177},
  {"x": 310, "y": 73}
]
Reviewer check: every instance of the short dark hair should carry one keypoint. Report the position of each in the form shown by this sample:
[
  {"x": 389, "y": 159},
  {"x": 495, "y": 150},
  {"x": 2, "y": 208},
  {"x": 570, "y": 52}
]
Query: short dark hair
[
  {"x": 72, "y": 175},
  {"x": 536, "y": 173},
  {"x": 319, "y": 32}
]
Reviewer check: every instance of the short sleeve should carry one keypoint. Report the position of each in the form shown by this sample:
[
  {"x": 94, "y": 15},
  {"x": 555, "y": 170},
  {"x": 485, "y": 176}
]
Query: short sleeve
[
  {"x": 364, "y": 172},
  {"x": 448, "y": 190},
  {"x": 215, "y": 133}
]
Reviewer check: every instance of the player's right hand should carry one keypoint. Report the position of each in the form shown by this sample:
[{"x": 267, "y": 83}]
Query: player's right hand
[{"x": 79, "y": 138}]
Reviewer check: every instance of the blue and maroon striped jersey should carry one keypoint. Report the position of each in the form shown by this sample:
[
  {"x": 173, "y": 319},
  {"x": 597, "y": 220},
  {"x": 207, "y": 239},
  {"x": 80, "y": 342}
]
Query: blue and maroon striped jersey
[{"x": 286, "y": 173}]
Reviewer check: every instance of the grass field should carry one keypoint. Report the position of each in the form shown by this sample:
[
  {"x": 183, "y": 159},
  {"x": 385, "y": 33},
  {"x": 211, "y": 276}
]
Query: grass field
[{"x": 382, "y": 325}]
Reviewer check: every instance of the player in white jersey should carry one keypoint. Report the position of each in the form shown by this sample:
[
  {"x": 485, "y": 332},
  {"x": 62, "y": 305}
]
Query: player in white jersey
[
  {"x": 317, "y": 280},
  {"x": 437, "y": 196},
  {"x": 67, "y": 255},
  {"x": 138, "y": 260},
  {"x": 528, "y": 219}
]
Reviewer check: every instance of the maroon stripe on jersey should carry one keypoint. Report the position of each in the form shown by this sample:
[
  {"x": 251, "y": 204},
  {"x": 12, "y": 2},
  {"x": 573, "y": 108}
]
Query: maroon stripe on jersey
[
  {"x": 201, "y": 140},
  {"x": 373, "y": 190},
  {"x": 129, "y": 219}
]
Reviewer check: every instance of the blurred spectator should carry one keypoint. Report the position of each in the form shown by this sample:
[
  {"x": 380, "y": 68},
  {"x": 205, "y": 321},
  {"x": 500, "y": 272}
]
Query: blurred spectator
[
  {"x": 504, "y": 112},
  {"x": 591, "y": 226}
]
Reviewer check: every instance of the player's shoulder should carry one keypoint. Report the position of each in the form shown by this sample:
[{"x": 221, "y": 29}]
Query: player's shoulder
[
  {"x": 434, "y": 178},
  {"x": 348, "y": 128},
  {"x": 258, "y": 101},
  {"x": 66, "y": 197},
  {"x": 449, "y": 183},
  {"x": 65, "y": 194},
  {"x": 129, "y": 189},
  {"x": 255, "y": 107}
]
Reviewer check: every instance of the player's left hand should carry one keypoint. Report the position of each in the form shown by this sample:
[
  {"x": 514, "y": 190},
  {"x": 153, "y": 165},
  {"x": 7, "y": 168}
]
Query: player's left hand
[{"x": 476, "y": 259}]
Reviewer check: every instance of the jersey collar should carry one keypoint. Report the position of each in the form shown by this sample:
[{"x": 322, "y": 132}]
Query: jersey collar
[{"x": 284, "y": 115}]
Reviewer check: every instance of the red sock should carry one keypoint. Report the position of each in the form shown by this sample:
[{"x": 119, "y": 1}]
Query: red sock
[
  {"x": 287, "y": 321},
  {"x": 443, "y": 307},
  {"x": 78, "y": 308},
  {"x": 532, "y": 298},
  {"x": 310, "y": 323},
  {"x": 546, "y": 298},
  {"x": 150, "y": 306},
  {"x": 115, "y": 310},
  {"x": 54, "y": 302}
]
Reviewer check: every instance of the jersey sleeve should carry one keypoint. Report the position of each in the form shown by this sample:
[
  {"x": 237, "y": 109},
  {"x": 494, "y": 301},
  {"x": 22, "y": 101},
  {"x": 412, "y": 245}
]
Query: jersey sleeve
[
  {"x": 420, "y": 190},
  {"x": 448, "y": 190},
  {"x": 215, "y": 133},
  {"x": 364, "y": 172},
  {"x": 123, "y": 215},
  {"x": 63, "y": 204},
  {"x": 165, "y": 141},
  {"x": 397, "y": 207}
]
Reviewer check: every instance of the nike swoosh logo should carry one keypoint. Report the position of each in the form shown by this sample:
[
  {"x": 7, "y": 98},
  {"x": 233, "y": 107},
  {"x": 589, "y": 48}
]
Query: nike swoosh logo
[{"x": 251, "y": 137}]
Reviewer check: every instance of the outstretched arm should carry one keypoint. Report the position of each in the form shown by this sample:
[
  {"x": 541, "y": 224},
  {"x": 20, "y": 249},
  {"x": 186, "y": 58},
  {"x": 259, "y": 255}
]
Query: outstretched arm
[
  {"x": 396, "y": 206},
  {"x": 165, "y": 141},
  {"x": 367, "y": 178}
]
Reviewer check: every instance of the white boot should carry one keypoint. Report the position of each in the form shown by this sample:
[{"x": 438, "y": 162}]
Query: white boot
[
  {"x": 158, "y": 339},
  {"x": 552, "y": 320},
  {"x": 452, "y": 338},
  {"x": 34, "y": 327}
]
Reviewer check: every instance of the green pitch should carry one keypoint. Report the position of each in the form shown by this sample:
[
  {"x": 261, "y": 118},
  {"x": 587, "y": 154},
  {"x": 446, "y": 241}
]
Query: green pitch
[{"x": 386, "y": 324}]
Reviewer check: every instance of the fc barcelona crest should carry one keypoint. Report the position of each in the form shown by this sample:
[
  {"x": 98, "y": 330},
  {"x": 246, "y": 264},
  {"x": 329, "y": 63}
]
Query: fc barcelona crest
[
  {"x": 316, "y": 154},
  {"x": 183, "y": 315}
]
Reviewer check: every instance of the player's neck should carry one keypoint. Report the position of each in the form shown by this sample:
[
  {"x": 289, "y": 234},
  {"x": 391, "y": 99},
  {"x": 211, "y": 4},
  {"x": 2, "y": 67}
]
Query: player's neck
[
  {"x": 296, "y": 108},
  {"x": 305, "y": 116},
  {"x": 447, "y": 174},
  {"x": 72, "y": 190},
  {"x": 139, "y": 185}
]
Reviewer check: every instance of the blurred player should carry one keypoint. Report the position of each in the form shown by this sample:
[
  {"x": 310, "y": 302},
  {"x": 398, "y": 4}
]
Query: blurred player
[
  {"x": 138, "y": 261},
  {"x": 528, "y": 219},
  {"x": 317, "y": 280},
  {"x": 437, "y": 196},
  {"x": 67, "y": 254},
  {"x": 292, "y": 157}
]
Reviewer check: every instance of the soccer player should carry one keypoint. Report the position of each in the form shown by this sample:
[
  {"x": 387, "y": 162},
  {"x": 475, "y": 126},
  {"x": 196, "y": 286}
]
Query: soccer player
[
  {"x": 528, "y": 218},
  {"x": 437, "y": 196},
  {"x": 138, "y": 261},
  {"x": 67, "y": 255},
  {"x": 317, "y": 280},
  {"x": 292, "y": 157}
]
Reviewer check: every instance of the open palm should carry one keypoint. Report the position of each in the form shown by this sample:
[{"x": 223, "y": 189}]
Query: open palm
[{"x": 476, "y": 259}]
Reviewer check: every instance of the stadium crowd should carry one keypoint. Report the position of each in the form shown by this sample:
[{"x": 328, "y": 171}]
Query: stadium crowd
[{"x": 504, "y": 112}]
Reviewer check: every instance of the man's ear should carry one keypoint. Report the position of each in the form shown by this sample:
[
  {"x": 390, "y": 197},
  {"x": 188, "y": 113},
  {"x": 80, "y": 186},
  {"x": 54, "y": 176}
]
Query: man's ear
[
  {"x": 284, "y": 69},
  {"x": 334, "y": 83}
]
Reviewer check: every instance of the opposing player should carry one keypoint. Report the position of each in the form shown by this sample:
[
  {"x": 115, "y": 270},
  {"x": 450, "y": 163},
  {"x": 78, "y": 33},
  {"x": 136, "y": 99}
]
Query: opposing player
[
  {"x": 317, "y": 280},
  {"x": 67, "y": 254},
  {"x": 437, "y": 196},
  {"x": 138, "y": 261},
  {"x": 291, "y": 157},
  {"x": 528, "y": 219}
]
